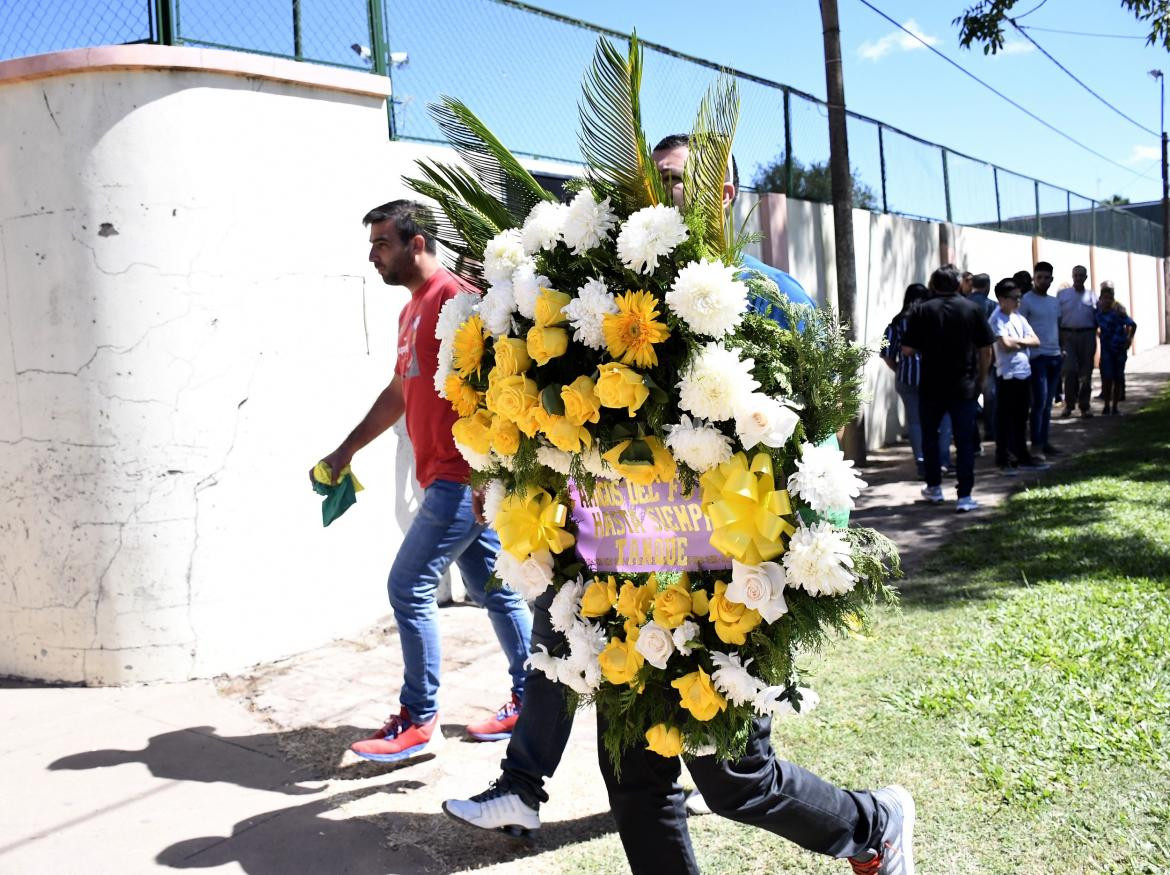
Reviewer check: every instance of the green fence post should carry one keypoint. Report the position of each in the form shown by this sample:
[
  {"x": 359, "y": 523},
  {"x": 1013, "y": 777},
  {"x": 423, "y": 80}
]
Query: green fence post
[
  {"x": 381, "y": 57},
  {"x": 998, "y": 211},
  {"x": 296, "y": 15},
  {"x": 946, "y": 183},
  {"x": 1036, "y": 187},
  {"x": 787, "y": 142},
  {"x": 882, "y": 164},
  {"x": 165, "y": 16}
]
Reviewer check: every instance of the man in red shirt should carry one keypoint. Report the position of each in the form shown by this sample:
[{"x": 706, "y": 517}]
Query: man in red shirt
[{"x": 402, "y": 249}]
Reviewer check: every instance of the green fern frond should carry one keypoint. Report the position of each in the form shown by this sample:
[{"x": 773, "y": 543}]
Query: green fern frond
[
  {"x": 612, "y": 141},
  {"x": 708, "y": 161}
]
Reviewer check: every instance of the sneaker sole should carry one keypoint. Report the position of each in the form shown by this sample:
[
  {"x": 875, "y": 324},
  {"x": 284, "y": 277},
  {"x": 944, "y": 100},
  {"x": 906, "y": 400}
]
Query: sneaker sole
[
  {"x": 417, "y": 750},
  {"x": 490, "y": 736},
  {"x": 514, "y": 830}
]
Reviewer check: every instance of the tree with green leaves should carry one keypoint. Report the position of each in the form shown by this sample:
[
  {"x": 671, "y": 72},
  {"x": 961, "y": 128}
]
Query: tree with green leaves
[
  {"x": 810, "y": 182},
  {"x": 982, "y": 24},
  {"x": 1116, "y": 200}
]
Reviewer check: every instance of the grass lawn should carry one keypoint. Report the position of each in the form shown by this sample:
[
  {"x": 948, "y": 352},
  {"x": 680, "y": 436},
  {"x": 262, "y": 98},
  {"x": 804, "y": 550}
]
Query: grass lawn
[{"x": 1022, "y": 692}]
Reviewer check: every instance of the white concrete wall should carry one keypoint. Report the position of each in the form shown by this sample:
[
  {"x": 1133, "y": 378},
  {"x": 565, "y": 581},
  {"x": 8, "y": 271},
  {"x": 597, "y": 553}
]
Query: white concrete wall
[
  {"x": 1143, "y": 300},
  {"x": 994, "y": 253},
  {"x": 188, "y": 323}
]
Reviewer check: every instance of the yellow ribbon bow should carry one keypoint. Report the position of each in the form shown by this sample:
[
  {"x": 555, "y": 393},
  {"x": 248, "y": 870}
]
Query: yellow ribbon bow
[
  {"x": 745, "y": 509},
  {"x": 530, "y": 521}
]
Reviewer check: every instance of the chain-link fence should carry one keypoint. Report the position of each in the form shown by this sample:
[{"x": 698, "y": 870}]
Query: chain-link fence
[{"x": 520, "y": 69}]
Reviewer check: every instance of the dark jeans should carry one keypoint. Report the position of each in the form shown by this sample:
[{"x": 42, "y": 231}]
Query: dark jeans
[
  {"x": 1080, "y": 346},
  {"x": 1011, "y": 424},
  {"x": 963, "y": 412},
  {"x": 1045, "y": 387},
  {"x": 542, "y": 731},
  {"x": 989, "y": 419},
  {"x": 757, "y": 790}
]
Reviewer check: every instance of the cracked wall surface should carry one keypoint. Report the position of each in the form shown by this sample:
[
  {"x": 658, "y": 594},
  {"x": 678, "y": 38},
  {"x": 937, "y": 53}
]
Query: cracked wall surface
[{"x": 187, "y": 322}]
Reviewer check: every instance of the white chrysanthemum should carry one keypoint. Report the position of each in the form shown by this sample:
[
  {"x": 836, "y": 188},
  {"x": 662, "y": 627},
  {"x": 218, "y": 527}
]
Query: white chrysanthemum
[
  {"x": 683, "y": 634},
  {"x": 715, "y": 382},
  {"x": 649, "y": 234},
  {"x": 526, "y": 285},
  {"x": 542, "y": 229},
  {"x": 454, "y": 312},
  {"x": 502, "y": 255},
  {"x": 655, "y": 644},
  {"x": 496, "y": 308},
  {"x": 444, "y": 364},
  {"x": 707, "y": 296},
  {"x": 540, "y": 660},
  {"x": 759, "y": 587},
  {"x": 732, "y": 678},
  {"x": 493, "y": 495},
  {"x": 698, "y": 445},
  {"x": 768, "y": 702},
  {"x": 586, "y": 312},
  {"x": 597, "y": 466},
  {"x": 553, "y": 458},
  {"x": 580, "y": 670},
  {"x": 818, "y": 561},
  {"x": 528, "y": 578},
  {"x": 478, "y": 461},
  {"x": 587, "y": 222},
  {"x": 825, "y": 479},
  {"x": 566, "y": 604},
  {"x": 760, "y": 419}
]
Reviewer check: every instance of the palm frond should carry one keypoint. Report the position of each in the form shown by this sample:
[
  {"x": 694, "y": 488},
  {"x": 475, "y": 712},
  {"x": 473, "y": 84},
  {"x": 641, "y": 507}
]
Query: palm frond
[
  {"x": 460, "y": 183},
  {"x": 613, "y": 143},
  {"x": 459, "y": 227},
  {"x": 709, "y": 159},
  {"x": 493, "y": 164}
]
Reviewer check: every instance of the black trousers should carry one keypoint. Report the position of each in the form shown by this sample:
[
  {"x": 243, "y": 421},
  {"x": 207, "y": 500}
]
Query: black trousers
[
  {"x": 963, "y": 412},
  {"x": 1011, "y": 421},
  {"x": 648, "y": 804}
]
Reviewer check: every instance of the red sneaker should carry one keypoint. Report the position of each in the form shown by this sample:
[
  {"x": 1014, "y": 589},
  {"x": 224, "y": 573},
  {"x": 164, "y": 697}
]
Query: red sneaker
[
  {"x": 399, "y": 739},
  {"x": 499, "y": 726}
]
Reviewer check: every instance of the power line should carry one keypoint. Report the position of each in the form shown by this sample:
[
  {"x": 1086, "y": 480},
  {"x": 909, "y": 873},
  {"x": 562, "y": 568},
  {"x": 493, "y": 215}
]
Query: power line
[
  {"x": 997, "y": 92},
  {"x": 1079, "y": 82},
  {"x": 1086, "y": 33}
]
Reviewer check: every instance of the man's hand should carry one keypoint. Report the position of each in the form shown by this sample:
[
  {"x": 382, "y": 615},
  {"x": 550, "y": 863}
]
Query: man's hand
[
  {"x": 337, "y": 460},
  {"x": 477, "y": 497}
]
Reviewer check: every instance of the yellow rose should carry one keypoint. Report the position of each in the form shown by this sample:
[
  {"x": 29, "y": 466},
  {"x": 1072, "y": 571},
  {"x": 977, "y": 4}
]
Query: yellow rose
[
  {"x": 462, "y": 395},
  {"x": 635, "y": 601},
  {"x": 545, "y": 344},
  {"x": 581, "y": 402},
  {"x": 666, "y": 741},
  {"x": 599, "y": 598},
  {"x": 618, "y": 386},
  {"x": 732, "y": 620},
  {"x": 700, "y": 604},
  {"x": 673, "y": 605},
  {"x": 505, "y": 436},
  {"x": 562, "y": 434},
  {"x": 511, "y": 356},
  {"x": 474, "y": 431},
  {"x": 469, "y": 345},
  {"x": 620, "y": 661},
  {"x": 550, "y": 307},
  {"x": 529, "y": 421},
  {"x": 698, "y": 696},
  {"x": 511, "y": 397},
  {"x": 661, "y": 470}
]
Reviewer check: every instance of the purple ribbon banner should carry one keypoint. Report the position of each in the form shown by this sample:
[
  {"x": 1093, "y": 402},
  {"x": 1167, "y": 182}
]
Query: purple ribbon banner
[{"x": 624, "y": 527}]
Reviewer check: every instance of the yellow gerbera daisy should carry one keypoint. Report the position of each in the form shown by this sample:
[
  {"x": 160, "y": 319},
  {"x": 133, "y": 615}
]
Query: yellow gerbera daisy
[
  {"x": 469, "y": 345},
  {"x": 631, "y": 332}
]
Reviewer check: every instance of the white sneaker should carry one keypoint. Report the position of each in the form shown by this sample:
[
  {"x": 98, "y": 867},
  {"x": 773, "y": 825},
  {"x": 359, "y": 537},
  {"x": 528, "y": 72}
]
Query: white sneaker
[
  {"x": 966, "y": 504},
  {"x": 933, "y": 494},
  {"x": 696, "y": 804},
  {"x": 896, "y": 855},
  {"x": 495, "y": 808}
]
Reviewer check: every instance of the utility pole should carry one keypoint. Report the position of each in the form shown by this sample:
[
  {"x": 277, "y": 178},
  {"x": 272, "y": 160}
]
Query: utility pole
[{"x": 842, "y": 189}]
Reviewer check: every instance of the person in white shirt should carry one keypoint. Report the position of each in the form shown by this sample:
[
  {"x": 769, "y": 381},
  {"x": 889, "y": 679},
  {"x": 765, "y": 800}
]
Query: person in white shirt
[
  {"x": 1013, "y": 372},
  {"x": 1043, "y": 314},
  {"x": 1078, "y": 341}
]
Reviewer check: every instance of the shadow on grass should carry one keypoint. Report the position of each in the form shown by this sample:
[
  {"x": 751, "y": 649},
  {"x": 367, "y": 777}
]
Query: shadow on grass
[{"x": 1104, "y": 514}]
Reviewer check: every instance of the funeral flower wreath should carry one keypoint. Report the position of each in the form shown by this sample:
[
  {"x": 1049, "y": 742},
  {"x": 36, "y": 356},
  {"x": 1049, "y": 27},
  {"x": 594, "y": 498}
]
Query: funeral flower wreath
[{"x": 619, "y": 364}]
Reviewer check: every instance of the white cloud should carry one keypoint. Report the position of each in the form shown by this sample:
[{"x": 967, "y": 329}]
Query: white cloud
[
  {"x": 896, "y": 41},
  {"x": 1017, "y": 47},
  {"x": 1141, "y": 154}
]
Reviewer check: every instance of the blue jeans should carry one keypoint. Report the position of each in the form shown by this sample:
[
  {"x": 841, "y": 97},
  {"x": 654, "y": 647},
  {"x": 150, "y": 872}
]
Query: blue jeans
[
  {"x": 963, "y": 413},
  {"x": 909, "y": 396},
  {"x": 444, "y": 531},
  {"x": 1045, "y": 386}
]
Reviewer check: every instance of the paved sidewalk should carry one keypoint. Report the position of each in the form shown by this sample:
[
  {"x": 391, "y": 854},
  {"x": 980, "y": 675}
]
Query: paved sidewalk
[{"x": 246, "y": 774}]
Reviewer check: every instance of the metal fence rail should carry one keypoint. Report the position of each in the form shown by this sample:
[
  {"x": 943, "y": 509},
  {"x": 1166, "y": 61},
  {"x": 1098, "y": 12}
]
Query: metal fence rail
[{"x": 519, "y": 67}]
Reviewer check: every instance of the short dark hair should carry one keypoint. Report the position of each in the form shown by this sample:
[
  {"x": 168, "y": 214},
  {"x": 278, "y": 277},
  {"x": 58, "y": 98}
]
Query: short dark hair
[
  {"x": 411, "y": 219},
  {"x": 1005, "y": 287},
  {"x": 915, "y": 292},
  {"x": 945, "y": 280},
  {"x": 1023, "y": 280},
  {"x": 676, "y": 141},
  {"x": 1042, "y": 265},
  {"x": 981, "y": 281},
  {"x": 967, "y": 275}
]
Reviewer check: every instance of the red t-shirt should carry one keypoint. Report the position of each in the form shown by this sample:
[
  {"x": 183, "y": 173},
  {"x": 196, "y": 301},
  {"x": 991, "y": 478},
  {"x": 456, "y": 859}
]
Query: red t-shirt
[{"x": 428, "y": 417}]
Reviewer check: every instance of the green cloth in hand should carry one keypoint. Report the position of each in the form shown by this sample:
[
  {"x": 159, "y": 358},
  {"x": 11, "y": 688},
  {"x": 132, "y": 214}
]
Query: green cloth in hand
[{"x": 338, "y": 496}]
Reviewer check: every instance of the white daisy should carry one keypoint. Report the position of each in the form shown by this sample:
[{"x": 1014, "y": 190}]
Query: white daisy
[
  {"x": 502, "y": 255},
  {"x": 587, "y": 222},
  {"x": 732, "y": 678},
  {"x": 818, "y": 561},
  {"x": 542, "y": 229},
  {"x": 497, "y": 306},
  {"x": 825, "y": 479},
  {"x": 526, "y": 285},
  {"x": 707, "y": 296},
  {"x": 698, "y": 444},
  {"x": 649, "y": 234}
]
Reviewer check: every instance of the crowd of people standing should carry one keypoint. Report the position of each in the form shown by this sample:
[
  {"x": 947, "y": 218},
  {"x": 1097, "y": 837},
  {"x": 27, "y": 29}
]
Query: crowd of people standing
[{"x": 1020, "y": 351}]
